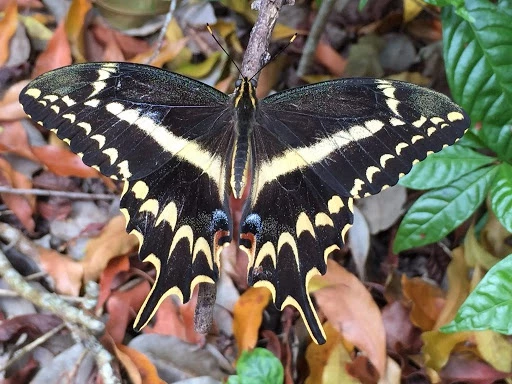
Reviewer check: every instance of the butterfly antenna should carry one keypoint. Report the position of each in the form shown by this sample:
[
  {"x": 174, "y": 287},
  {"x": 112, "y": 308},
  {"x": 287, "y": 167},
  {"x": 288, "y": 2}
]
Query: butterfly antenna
[
  {"x": 275, "y": 55},
  {"x": 221, "y": 47}
]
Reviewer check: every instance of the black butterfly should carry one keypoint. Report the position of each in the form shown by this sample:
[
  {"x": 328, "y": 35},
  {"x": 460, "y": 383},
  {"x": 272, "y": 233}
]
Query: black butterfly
[{"x": 303, "y": 155}]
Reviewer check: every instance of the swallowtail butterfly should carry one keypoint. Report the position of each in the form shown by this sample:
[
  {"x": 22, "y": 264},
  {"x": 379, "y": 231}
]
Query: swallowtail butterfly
[{"x": 183, "y": 148}]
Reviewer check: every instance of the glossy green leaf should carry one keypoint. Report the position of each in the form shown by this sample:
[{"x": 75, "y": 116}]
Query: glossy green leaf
[
  {"x": 489, "y": 305},
  {"x": 501, "y": 195},
  {"x": 438, "y": 212},
  {"x": 442, "y": 168},
  {"x": 259, "y": 366},
  {"x": 478, "y": 58}
]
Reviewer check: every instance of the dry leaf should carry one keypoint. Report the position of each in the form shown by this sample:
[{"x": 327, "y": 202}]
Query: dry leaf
[
  {"x": 140, "y": 369},
  {"x": 74, "y": 26},
  {"x": 8, "y": 25},
  {"x": 495, "y": 348},
  {"x": 248, "y": 315},
  {"x": 412, "y": 8},
  {"x": 57, "y": 53},
  {"x": 330, "y": 58},
  {"x": 63, "y": 162},
  {"x": 13, "y": 138},
  {"x": 438, "y": 346},
  {"x": 348, "y": 305},
  {"x": 66, "y": 273}
]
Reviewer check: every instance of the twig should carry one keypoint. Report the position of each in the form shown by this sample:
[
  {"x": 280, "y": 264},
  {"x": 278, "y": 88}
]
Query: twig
[
  {"x": 161, "y": 36},
  {"x": 256, "y": 55},
  {"x": 48, "y": 301},
  {"x": 308, "y": 53},
  {"x": 70, "y": 195},
  {"x": 31, "y": 346}
]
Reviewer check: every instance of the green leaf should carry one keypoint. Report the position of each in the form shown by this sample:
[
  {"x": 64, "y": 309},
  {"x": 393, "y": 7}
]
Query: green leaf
[
  {"x": 501, "y": 195},
  {"x": 438, "y": 212},
  {"x": 478, "y": 58},
  {"x": 259, "y": 367},
  {"x": 442, "y": 168},
  {"x": 489, "y": 305}
]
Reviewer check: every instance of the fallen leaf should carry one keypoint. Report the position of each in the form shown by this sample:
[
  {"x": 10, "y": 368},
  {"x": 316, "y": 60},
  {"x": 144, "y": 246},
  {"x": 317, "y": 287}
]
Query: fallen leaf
[
  {"x": 412, "y": 8},
  {"x": 32, "y": 4},
  {"x": 74, "y": 26},
  {"x": 326, "y": 55},
  {"x": 147, "y": 373},
  {"x": 33, "y": 325},
  {"x": 114, "y": 267},
  {"x": 427, "y": 301},
  {"x": 248, "y": 315},
  {"x": 13, "y": 138},
  {"x": 384, "y": 209},
  {"x": 57, "y": 53},
  {"x": 469, "y": 370},
  {"x": 348, "y": 305},
  {"x": 438, "y": 346},
  {"x": 168, "y": 52},
  {"x": 8, "y": 25},
  {"x": 112, "y": 242},
  {"x": 495, "y": 349},
  {"x": 401, "y": 334},
  {"x": 66, "y": 273},
  {"x": 475, "y": 254},
  {"x": 494, "y": 237},
  {"x": 63, "y": 162}
]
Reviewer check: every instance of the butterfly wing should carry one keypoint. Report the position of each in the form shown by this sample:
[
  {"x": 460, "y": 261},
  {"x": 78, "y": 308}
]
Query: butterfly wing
[
  {"x": 168, "y": 141},
  {"x": 315, "y": 149}
]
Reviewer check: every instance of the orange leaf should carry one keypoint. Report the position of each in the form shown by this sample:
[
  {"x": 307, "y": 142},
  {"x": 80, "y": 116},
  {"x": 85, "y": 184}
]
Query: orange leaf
[
  {"x": 57, "y": 53},
  {"x": 13, "y": 138},
  {"x": 112, "y": 242},
  {"x": 21, "y": 206},
  {"x": 248, "y": 315},
  {"x": 8, "y": 26},
  {"x": 330, "y": 58},
  {"x": 427, "y": 301},
  {"x": 66, "y": 272},
  {"x": 147, "y": 372},
  {"x": 74, "y": 26},
  {"x": 168, "y": 52},
  {"x": 114, "y": 267},
  {"x": 63, "y": 162},
  {"x": 348, "y": 305}
]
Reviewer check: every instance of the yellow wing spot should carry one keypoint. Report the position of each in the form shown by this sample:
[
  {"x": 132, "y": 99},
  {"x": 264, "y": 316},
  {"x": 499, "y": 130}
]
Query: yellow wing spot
[
  {"x": 370, "y": 172},
  {"x": 384, "y": 158},
  {"x": 400, "y": 147},
  {"x": 267, "y": 250},
  {"x": 114, "y": 177},
  {"x": 183, "y": 232},
  {"x": 444, "y": 125},
  {"x": 67, "y": 141},
  {"x": 68, "y": 101},
  {"x": 150, "y": 206},
  {"x": 169, "y": 213},
  {"x": 454, "y": 116},
  {"x": 304, "y": 225},
  {"x": 367, "y": 194},
  {"x": 401, "y": 174},
  {"x": 115, "y": 108},
  {"x": 416, "y": 138},
  {"x": 322, "y": 219},
  {"x": 111, "y": 67},
  {"x": 140, "y": 189},
  {"x": 330, "y": 249},
  {"x": 55, "y": 108},
  {"x": 100, "y": 139},
  {"x": 430, "y": 153},
  {"x": 34, "y": 92},
  {"x": 447, "y": 145},
  {"x": 124, "y": 170},
  {"x": 51, "y": 98},
  {"x": 96, "y": 168},
  {"x": 351, "y": 205},
  {"x": 70, "y": 116},
  {"x": 389, "y": 92},
  {"x": 92, "y": 103},
  {"x": 97, "y": 87},
  {"x": 267, "y": 284},
  {"x": 126, "y": 215},
  {"x": 287, "y": 238},
  {"x": 385, "y": 186},
  {"x": 335, "y": 204},
  {"x": 139, "y": 237},
  {"x": 395, "y": 122},
  {"x": 358, "y": 185},
  {"x": 418, "y": 123},
  {"x": 202, "y": 245},
  {"x": 415, "y": 161},
  {"x": 112, "y": 154},
  {"x": 126, "y": 187},
  {"x": 393, "y": 105},
  {"x": 373, "y": 126},
  {"x": 344, "y": 232},
  {"x": 86, "y": 126},
  {"x": 80, "y": 155},
  {"x": 436, "y": 120},
  {"x": 103, "y": 74},
  {"x": 42, "y": 102},
  {"x": 431, "y": 131}
]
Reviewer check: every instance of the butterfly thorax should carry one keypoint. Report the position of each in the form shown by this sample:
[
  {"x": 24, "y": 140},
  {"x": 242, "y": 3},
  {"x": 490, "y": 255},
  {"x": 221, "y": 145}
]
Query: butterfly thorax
[{"x": 245, "y": 103}]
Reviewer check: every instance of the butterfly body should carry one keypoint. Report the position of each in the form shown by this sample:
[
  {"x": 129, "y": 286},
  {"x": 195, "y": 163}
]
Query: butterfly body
[{"x": 302, "y": 155}]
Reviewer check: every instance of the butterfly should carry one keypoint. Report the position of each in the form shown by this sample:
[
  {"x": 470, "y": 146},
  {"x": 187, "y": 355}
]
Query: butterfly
[{"x": 183, "y": 148}]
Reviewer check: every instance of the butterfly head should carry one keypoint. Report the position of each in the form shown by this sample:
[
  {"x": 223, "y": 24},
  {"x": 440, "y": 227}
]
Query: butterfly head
[{"x": 245, "y": 93}]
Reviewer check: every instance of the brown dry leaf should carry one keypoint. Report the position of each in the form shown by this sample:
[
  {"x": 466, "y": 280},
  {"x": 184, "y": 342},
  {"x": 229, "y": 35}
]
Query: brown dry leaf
[
  {"x": 32, "y": 4},
  {"x": 22, "y": 206},
  {"x": 248, "y": 315},
  {"x": 74, "y": 26},
  {"x": 494, "y": 237},
  {"x": 12, "y": 111},
  {"x": 8, "y": 25},
  {"x": 57, "y": 53},
  {"x": 112, "y": 50},
  {"x": 112, "y": 242},
  {"x": 330, "y": 58},
  {"x": 475, "y": 253},
  {"x": 129, "y": 46},
  {"x": 427, "y": 301},
  {"x": 108, "y": 276},
  {"x": 140, "y": 369},
  {"x": 438, "y": 346},
  {"x": 63, "y": 162},
  {"x": 168, "y": 321},
  {"x": 467, "y": 369},
  {"x": 13, "y": 138},
  {"x": 327, "y": 362},
  {"x": 12, "y": 94},
  {"x": 168, "y": 52},
  {"x": 458, "y": 283},
  {"x": 348, "y": 305},
  {"x": 401, "y": 334},
  {"x": 495, "y": 348},
  {"x": 66, "y": 273},
  {"x": 412, "y": 8}
]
